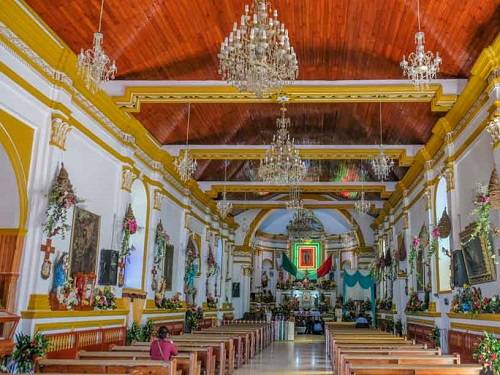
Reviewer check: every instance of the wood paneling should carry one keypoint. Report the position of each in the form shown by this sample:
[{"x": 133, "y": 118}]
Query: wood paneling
[
  {"x": 11, "y": 246},
  {"x": 333, "y": 123},
  {"x": 463, "y": 343},
  {"x": 421, "y": 334},
  {"x": 334, "y": 39}
]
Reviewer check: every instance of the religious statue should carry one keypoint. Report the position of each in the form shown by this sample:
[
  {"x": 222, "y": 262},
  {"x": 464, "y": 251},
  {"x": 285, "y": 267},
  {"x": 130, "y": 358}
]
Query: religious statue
[
  {"x": 264, "y": 280},
  {"x": 61, "y": 269}
]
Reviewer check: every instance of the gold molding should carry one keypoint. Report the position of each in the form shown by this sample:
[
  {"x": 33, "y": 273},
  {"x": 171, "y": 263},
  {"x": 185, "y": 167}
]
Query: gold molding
[
  {"x": 425, "y": 322},
  {"x": 134, "y": 96},
  {"x": 169, "y": 318},
  {"x": 490, "y": 317},
  {"x": 60, "y": 129},
  {"x": 474, "y": 327},
  {"x": 39, "y": 314},
  {"x": 129, "y": 175},
  {"x": 215, "y": 189},
  {"x": 337, "y": 153},
  {"x": 43, "y": 327}
]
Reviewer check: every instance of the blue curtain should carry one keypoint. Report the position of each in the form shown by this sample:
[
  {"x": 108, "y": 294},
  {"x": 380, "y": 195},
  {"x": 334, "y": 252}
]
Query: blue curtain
[{"x": 366, "y": 282}]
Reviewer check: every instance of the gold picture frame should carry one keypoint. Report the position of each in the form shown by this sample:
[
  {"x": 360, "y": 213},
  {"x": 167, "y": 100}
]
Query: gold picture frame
[{"x": 478, "y": 262}]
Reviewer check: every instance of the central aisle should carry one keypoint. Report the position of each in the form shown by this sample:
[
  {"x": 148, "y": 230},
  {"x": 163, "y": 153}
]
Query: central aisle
[{"x": 304, "y": 356}]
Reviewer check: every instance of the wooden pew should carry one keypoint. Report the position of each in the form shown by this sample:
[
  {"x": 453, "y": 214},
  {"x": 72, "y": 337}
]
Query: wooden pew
[
  {"x": 242, "y": 344},
  {"x": 219, "y": 348},
  {"x": 205, "y": 354},
  {"x": 414, "y": 370},
  {"x": 92, "y": 366},
  {"x": 396, "y": 359},
  {"x": 187, "y": 362}
]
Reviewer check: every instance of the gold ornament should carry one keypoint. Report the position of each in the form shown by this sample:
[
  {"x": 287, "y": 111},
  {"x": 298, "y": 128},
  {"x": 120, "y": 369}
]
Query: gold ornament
[
  {"x": 494, "y": 190},
  {"x": 444, "y": 225}
]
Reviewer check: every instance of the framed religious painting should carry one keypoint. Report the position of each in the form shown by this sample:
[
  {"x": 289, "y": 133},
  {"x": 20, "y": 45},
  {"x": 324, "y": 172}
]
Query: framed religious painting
[
  {"x": 168, "y": 262},
  {"x": 84, "y": 242},
  {"x": 478, "y": 262},
  {"x": 306, "y": 255},
  {"x": 108, "y": 267},
  {"x": 235, "y": 293},
  {"x": 458, "y": 271}
]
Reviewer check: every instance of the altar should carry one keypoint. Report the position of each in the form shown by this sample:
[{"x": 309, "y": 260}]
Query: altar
[{"x": 310, "y": 299}]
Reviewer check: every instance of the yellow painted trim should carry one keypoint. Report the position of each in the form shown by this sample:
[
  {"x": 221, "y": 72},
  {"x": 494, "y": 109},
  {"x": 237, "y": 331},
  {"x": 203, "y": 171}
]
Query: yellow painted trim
[
  {"x": 169, "y": 318},
  {"x": 146, "y": 235},
  {"x": 163, "y": 311},
  {"x": 282, "y": 204},
  {"x": 424, "y": 322},
  {"x": 39, "y": 314},
  {"x": 337, "y": 153},
  {"x": 39, "y": 302},
  {"x": 134, "y": 96},
  {"x": 430, "y": 314},
  {"x": 253, "y": 227},
  {"x": 44, "y": 327},
  {"x": 491, "y": 317},
  {"x": 13, "y": 231},
  {"x": 242, "y": 188},
  {"x": 474, "y": 327}
]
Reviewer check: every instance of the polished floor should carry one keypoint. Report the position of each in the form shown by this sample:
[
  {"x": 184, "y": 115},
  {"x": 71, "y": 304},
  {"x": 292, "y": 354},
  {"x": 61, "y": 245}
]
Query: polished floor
[{"x": 305, "y": 356}]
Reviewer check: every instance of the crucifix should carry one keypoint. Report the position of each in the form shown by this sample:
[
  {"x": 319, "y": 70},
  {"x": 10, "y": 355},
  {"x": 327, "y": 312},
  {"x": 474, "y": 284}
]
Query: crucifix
[{"x": 47, "y": 264}]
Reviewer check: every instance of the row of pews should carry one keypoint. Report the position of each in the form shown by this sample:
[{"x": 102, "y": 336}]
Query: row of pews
[
  {"x": 368, "y": 351},
  {"x": 213, "y": 351}
]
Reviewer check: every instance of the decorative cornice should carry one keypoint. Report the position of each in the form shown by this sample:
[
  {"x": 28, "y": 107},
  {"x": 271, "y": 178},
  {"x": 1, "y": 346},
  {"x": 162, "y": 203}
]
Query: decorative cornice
[
  {"x": 300, "y": 93},
  {"x": 59, "y": 132}
]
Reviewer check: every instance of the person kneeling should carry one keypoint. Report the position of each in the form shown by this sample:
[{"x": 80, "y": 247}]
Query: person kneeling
[{"x": 162, "y": 348}]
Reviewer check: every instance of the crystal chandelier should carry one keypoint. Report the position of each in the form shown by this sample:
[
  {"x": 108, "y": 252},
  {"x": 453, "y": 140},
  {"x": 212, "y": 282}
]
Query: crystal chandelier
[
  {"x": 185, "y": 165},
  {"x": 382, "y": 164},
  {"x": 282, "y": 164},
  {"x": 257, "y": 55},
  {"x": 94, "y": 66},
  {"x": 362, "y": 206},
  {"x": 421, "y": 66},
  {"x": 295, "y": 202},
  {"x": 304, "y": 226},
  {"x": 346, "y": 239},
  {"x": 224, "y": 206}
]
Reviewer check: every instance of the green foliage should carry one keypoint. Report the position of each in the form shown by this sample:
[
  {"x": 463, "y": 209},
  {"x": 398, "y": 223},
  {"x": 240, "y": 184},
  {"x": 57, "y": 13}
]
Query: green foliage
[
  {"x": 399, "y": 327},
  {"x": 147, "y": 331},
  {"x": 436, "y": 336},
  {"x": 488, "y": 352},
  {"x": 22, "y": 359},
  {"x": 134, "y": 333}
]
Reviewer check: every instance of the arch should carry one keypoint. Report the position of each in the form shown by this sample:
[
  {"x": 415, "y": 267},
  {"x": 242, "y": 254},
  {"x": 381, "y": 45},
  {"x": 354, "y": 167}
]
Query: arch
[
  {"x": 135, "y": 270},
  {"x": 443, "y": 262},
  {"x": 16, "y": 160}
]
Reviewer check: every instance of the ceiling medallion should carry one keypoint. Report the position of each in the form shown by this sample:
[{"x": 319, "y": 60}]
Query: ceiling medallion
[
  {"x": 282, "y": 164},
  {"x": 421, "y": 67},
  {"x": 294, "y": 202},
  {"x": 224, "y": 206},
  {"x": 94, "y": 66},
  {"x": 257, "y": 55},
  {"x": 382, "y": 164},
  {"x": 185, "y": 165}
]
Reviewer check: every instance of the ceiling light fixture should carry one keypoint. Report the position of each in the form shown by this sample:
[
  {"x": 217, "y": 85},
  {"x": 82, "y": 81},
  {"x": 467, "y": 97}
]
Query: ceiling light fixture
[
  {"x": 282, "y": 164},
  {"x": 295, "y": 202},
  {"x": 257, "y": 55},
  {"x": 224, "y": 206},
  {"x": 362, "y": 206},
  {"x": 185, "y": 165},
  {"x": 421, "y": 67},
  {"x": 382, "y": 164},
  {"x": 94, "y": 66}
]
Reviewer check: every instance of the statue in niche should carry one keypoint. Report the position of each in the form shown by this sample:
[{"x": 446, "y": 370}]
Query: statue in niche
[
  {"x": 264, "y": 280},
  {"x": 61, "y": 269},
  {"x": 191, "y": 271}
]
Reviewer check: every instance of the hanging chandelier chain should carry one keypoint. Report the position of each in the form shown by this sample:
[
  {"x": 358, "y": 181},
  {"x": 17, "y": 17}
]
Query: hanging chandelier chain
[
  {"x": 187, "y": 128},
  {"x": 185, "y": 165},
  {"x": 100, "y": 16},
  {"x": 418, "y": 14}
]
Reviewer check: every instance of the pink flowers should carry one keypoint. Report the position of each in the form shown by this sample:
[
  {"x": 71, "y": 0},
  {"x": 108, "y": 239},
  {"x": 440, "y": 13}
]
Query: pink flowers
[
  {"x": 130, "y": 225},
  {"x": 436, "y": 233},
  {"x": 415, "y": 242},
  {"x": 483, "y": 199}
]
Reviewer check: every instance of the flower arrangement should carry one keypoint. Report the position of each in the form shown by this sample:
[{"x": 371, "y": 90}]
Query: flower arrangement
[
  {"x": 412, "y": 255},
  {"x": 327, "y": 284},
  {"x": 482, "y": 208},
  {"x": 414, "y": 304},
  {"x": 398, "y": 327},
  {"x": 211, "y": 302},
  {"x": 61, "y": 198},
  {"x": 193, "y": 317},
  {"x": 470, "y": 300},
  {"x": 129, "y": 227},
  {"x": 488, "y": 352},
  {"x": 173, "y": 303},
  {"x": 434, "y": 245},
  {"x": 27, "y": 350},
  {"x": 67, "y": 294},
  {"x": 435, "y": 336},
  {"x": 384, "y": 304},
  {"x": 104, "y": 299},
  {"x": 366, "y": 305}
]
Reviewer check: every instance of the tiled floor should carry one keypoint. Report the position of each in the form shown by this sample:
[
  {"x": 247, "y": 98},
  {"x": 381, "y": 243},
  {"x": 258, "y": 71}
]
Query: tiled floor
[{"x": 304, "y": 356}]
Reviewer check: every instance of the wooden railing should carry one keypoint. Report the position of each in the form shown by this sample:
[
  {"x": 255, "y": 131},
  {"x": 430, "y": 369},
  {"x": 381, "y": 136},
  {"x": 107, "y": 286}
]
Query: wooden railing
[
  {"x": 68, "y": 344},
  {"x": 463, "y": 343},
  {"x": 421, "y": 334}
]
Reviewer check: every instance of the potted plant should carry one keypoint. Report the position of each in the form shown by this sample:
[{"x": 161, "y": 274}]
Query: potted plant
[
  {"x": 27, "y": 350},
  {"x": 488, "y": 353}
]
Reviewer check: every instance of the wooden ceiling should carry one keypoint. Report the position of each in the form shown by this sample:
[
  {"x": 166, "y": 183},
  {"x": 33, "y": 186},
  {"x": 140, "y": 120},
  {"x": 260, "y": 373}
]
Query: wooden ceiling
[
  {"x": 332, "y": 123},
  {"x": 334, "y": 39}
]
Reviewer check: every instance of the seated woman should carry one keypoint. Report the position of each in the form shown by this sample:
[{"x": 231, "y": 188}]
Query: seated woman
[{"x": 162, "y": 348}]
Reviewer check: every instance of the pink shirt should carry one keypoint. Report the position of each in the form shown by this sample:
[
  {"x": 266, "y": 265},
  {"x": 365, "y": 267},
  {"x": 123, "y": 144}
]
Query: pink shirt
[{"x": 162, "y": 350}]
